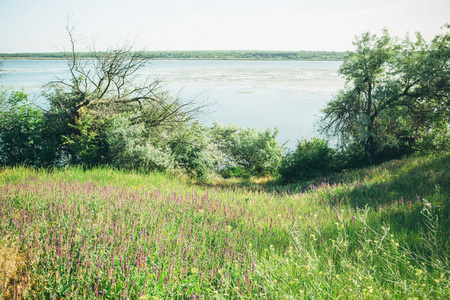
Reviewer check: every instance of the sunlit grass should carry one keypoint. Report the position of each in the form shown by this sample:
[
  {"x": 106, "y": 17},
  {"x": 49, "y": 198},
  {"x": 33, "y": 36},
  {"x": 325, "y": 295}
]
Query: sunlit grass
[{"x": 103, "y": 233}]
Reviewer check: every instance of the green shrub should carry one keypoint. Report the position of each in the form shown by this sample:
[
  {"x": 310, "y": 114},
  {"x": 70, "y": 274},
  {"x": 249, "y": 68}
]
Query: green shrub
[
  {"x": 434, "y": 140},
  {"x": 238, "y": 172},
  {"x": 256, "y": 152},
  {"x": 194, "y": 151},
  {"x": 131, "y": 148},
  {"x": 88, "y": 142},
  {"x": 312, "y": 158},
  {"x": 21, "y": 125},
  {"x": 353, "y": 156}
]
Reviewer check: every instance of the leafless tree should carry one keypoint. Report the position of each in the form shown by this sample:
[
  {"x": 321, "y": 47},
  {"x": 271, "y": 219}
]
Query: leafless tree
[{"x": 110, "y": 82}]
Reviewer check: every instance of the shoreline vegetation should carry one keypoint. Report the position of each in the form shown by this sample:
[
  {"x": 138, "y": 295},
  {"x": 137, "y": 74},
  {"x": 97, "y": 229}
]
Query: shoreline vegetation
[
  {"x": 204, "y": 55},
  {"x": 117, "y": 191}
]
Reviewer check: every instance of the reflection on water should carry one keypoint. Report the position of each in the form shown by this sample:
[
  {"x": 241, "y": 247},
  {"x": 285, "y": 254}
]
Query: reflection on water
[{"x": 260, "y": 94}]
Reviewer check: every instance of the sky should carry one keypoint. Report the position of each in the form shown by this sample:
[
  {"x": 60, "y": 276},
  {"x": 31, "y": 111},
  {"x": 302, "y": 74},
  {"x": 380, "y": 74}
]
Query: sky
[{"x": 294, "y": 25}]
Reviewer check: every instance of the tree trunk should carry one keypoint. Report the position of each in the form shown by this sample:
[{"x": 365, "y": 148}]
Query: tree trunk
[{"x": 369, "y": 148}]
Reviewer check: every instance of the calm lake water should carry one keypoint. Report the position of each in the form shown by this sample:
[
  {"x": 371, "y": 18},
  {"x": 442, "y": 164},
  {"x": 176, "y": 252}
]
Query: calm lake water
[{"x": 260, "y": 94}]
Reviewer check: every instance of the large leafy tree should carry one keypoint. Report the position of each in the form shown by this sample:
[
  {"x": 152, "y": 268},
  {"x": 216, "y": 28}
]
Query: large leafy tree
[{"x": 394, "y": 92}]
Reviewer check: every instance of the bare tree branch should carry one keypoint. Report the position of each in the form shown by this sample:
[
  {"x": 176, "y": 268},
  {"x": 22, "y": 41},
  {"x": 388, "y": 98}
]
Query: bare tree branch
[{"x": 108, "y": 84}]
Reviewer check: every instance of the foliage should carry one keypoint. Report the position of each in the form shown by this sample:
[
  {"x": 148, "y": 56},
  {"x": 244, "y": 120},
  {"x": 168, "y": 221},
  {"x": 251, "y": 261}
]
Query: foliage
[
  {"x": 106, "y": 86},
  {"x": 130, "y": 149},
  {"x": 194, "y": 151},
  {"x": 395, "y": 92},
  {"x": 188, "y": 148},
  {"x": 311, "y": 159},
  {"x": 395, "y": 102},
  {"x": 257, "y": 152},
  {"x": 51, "y": 138},
  {"x": 21, "y": 126},
  {"x": 237, "y": 172},
  {"x": 89, "y": 143},
  {"x": 436, "y": 139}
]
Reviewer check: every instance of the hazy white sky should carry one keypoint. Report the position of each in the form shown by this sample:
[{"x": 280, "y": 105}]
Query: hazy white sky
[{"x": 39, "y": 26}]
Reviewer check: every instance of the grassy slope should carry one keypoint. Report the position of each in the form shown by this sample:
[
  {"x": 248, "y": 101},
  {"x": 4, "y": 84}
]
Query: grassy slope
[{"x": 82, "y": 234}]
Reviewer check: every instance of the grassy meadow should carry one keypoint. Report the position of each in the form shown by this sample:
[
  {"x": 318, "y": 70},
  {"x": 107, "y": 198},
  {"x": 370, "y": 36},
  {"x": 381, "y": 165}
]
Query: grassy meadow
[{"x": 375, "y": 233}]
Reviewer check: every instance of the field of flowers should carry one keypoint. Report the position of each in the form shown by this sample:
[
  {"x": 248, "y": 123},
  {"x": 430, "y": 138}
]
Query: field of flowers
[{"x": 376, "y": 233}]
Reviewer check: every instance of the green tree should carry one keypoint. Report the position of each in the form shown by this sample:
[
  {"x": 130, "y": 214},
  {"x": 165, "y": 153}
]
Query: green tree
[
  {"x": 21, "y": 126},
  {"x": 353, "y": 112},
  {"x": 394, "y": 92},
  {"x": 423, "y": 89}
]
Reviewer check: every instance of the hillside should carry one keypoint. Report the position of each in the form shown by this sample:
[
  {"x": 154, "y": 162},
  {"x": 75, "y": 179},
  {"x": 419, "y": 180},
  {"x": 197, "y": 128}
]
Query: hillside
[{"x": 378, "y": 233}]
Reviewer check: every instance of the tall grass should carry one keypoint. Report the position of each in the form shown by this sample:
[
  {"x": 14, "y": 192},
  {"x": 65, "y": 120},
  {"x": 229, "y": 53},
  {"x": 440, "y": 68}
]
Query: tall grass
[{"x": 108, "y": 234}]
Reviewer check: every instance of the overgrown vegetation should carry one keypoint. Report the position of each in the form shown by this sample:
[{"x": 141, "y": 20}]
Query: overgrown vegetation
[
  {"x": 107, "y": 114},
  {"x": 311, "y": 159},
  {"x": 379, "y": 233},
  {"x": 118, "y": 220},
  {"x": 33, "y": 137},
  {"x": 395, "y": 103},
  {"x": 396, "y": 97}
]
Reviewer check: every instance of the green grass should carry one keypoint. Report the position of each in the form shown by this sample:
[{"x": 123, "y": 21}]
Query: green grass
[{"x": 374, "y": 233}]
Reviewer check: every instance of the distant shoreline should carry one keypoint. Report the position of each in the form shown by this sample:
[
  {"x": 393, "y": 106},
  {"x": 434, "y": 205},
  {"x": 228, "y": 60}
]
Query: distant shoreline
[{"x": 204, "y": 55}]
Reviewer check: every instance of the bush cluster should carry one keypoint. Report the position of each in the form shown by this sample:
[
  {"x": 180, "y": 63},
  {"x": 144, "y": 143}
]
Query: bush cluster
[
  {"x": 312, "y": 158},
  {"x": 31, "y": 136}
]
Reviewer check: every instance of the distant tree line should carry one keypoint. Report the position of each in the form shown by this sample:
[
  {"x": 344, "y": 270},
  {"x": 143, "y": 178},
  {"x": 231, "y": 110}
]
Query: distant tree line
[
  {"x": 396, "y": 102},
  {"x": 252, "y": 55},
  {"x": 206, "y": 55}
]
